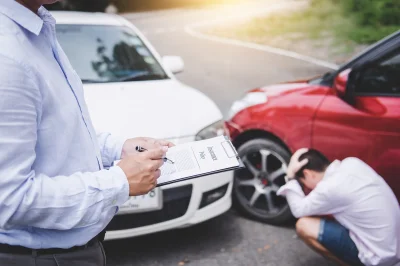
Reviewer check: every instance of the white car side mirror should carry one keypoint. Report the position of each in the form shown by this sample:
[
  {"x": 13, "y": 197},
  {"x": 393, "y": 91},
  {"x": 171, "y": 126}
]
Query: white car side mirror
[{"x": 174, "y": 64}]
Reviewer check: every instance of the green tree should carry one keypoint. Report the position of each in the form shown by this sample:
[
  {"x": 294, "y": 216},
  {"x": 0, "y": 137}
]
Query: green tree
[{"x": 374, "y": 12}]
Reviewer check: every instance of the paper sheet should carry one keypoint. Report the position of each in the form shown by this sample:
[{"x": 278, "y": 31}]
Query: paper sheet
[{"x": 198, "y": 158}]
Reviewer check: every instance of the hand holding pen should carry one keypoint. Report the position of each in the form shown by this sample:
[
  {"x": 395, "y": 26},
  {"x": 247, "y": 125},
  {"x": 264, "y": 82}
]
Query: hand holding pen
[
  {"x": 142, "y": 170},
  {"x": 165, "y": 159}
]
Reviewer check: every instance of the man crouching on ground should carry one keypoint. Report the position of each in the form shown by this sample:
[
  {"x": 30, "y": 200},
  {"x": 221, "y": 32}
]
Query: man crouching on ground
[{"x": 366, "y": 225}]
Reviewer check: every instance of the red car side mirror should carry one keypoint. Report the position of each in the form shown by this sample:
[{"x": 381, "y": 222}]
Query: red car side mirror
[{"x": 340, "y": 82}]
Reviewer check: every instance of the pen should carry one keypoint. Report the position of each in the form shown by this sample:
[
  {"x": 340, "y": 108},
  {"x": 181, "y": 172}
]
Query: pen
[{"x": 141, "y": 149}]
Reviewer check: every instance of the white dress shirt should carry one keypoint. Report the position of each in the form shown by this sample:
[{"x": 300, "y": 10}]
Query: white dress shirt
[
  {"x": 360, "y": 200},
  {"x": 54, "y": 190}
]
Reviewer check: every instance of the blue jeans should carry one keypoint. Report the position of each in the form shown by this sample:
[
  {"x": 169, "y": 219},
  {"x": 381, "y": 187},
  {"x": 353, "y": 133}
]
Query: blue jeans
[{"x": 336, "y": 238}]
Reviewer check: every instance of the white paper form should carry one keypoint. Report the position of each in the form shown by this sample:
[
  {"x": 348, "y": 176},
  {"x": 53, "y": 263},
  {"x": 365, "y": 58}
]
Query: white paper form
[{"x": 198, "y": 158}]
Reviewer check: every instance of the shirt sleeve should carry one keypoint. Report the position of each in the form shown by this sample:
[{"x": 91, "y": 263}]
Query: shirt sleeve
[
  {"x": 31, "y": 199},
  {"x": 110, "y": 148},
  {"x": 323, "y": 200}
]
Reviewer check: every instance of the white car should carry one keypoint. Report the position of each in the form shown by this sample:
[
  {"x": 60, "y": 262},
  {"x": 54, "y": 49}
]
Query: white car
[{"x": 131, "y": 91}]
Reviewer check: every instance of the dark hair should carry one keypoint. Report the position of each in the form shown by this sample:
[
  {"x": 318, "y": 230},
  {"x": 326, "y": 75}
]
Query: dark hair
[{"x": 316, "y": 162}]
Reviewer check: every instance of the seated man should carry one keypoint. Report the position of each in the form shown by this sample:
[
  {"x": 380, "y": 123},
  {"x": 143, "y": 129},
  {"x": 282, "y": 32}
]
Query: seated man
[{"x": 366, "y": 225}]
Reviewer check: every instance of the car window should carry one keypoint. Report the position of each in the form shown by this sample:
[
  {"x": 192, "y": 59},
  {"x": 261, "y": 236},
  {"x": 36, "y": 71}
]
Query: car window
[
  {"x": 382, "y": 78},
  {"x": 108, "y": 54}
]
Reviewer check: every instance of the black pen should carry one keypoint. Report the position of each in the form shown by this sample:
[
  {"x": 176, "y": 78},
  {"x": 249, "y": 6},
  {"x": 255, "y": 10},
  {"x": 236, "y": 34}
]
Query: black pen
[{"x": 141, "y": 149}]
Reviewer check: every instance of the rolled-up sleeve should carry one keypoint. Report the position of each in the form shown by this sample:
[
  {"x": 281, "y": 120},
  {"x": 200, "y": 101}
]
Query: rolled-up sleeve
[
  {"x": 28, "y": 198},
  {"x": 110, "y": 148},
  {"x": 323, "y": 200}
]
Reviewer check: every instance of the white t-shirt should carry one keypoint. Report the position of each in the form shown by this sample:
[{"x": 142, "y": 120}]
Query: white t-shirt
[{"x": 360, "y": 200}]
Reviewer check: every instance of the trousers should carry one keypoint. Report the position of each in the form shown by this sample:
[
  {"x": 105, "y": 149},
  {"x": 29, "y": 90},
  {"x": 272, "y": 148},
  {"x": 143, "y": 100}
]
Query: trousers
[{"x": 93, "y": 255}]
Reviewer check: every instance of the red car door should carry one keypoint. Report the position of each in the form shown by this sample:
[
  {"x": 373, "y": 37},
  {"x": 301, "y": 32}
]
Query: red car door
[
  {"x": 369, "y": 127},
  {"x": 387, "y": 143},
  {"x": 342, "y": 130},
  {"x": 379, "y": 90}
]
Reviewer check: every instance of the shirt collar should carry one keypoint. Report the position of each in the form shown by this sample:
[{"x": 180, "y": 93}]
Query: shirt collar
[
  {"x": 332, "y": 168},
  {"x": 26, "y": 18}
]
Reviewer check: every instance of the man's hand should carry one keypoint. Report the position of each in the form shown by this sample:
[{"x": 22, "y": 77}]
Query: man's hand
[
  {"x": 295, "y": 165},
  {"x": 129, "y": 147},
  {"x": 143, "y": 169}
]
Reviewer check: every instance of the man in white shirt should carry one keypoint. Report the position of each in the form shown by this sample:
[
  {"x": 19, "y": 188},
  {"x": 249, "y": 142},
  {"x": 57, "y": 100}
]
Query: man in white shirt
[
  {"x": 59, "y": 187},
  {"x": 366, "y": 225}
]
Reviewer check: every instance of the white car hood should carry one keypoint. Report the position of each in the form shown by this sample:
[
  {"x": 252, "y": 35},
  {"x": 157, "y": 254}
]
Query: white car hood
[{"x": 158, "y": 109}]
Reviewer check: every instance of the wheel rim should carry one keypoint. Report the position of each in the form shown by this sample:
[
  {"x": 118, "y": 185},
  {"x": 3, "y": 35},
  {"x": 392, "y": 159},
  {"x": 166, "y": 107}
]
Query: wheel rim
[{"x": 257, "y": 185}]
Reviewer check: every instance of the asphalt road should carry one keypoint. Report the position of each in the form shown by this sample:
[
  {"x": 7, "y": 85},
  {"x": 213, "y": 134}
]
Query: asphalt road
[{"x": 223, "y": 72}]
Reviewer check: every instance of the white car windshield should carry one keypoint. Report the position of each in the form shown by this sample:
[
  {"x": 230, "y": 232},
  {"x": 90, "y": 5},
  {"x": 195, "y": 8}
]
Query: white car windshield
[{"x": 102, "y": 54}]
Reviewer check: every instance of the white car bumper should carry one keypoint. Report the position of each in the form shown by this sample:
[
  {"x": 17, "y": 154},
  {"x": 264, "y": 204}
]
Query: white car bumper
[{"x": 181, "y": 208}]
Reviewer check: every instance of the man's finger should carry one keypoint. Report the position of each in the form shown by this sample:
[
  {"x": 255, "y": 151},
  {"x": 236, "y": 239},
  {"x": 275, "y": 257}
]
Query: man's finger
[
  {"x": 157, "y": 174},
  {"x": 299, "y": 152},
  {"x": 156, "y": 153},
  {"x": 158, "y": 164},
  {"x": 165, "y": 143},
  {"x": 299, "y": 165},
  {"x": 302, "y": 163}
]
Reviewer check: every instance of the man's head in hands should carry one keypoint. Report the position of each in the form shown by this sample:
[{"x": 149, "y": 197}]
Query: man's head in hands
[{"x": 307, "y": 166}]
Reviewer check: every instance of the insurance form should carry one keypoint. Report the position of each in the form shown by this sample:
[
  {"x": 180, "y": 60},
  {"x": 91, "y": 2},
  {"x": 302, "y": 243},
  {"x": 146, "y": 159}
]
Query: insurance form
[{"x": 199, "y": 158}]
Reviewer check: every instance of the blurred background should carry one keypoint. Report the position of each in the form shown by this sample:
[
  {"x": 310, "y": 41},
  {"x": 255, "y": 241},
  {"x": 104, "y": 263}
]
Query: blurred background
[
  {"x": 343, "y": 27},
  {"x": 129, "y": 5},
  {"x": 232, "y": 51}
]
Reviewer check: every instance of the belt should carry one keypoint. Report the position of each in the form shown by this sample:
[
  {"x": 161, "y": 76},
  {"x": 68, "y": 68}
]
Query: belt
[{"x": 5, "y": 248}]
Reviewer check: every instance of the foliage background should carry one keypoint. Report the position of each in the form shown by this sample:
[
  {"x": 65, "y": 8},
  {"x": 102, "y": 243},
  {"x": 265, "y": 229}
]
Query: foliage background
[{"x": 372, "y": 19}]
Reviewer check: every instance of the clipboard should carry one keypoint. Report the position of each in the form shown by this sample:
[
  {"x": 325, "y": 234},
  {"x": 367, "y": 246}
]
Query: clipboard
[
  {"x": 241, "y": 166},
  {"x": 230, "y": 152}
]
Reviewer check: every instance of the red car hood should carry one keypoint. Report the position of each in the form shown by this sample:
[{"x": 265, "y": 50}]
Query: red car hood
[{"x": 284, "y": 88}]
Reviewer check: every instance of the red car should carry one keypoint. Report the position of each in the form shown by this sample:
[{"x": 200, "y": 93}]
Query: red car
[{"x": 351, "y": 112}]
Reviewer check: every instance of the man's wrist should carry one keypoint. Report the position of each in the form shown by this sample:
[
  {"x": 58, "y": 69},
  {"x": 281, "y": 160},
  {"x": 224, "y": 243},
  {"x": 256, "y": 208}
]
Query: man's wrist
[
  {"x": 122, "y": 150},
  {"x": 119, "y": 148},
  {"x": 121, "y": 177},
  {"x": 289, "y": 178}
]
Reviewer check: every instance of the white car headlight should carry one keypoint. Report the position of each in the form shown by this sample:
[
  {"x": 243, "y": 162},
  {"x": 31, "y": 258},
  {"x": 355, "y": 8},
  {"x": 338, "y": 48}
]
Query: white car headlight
[
  {"x": 250, "y": 99},
  {"x": 214, "y": 130}
]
